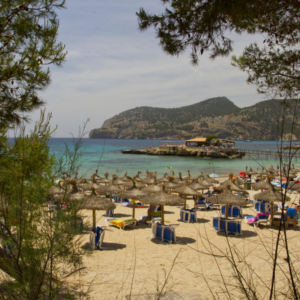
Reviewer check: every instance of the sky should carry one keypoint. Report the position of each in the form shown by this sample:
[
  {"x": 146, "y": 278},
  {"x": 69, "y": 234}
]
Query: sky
[{"x": 111, "y": 67}]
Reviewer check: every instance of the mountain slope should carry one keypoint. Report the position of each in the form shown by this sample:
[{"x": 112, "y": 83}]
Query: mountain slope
[{"x": 217, "y": 116}]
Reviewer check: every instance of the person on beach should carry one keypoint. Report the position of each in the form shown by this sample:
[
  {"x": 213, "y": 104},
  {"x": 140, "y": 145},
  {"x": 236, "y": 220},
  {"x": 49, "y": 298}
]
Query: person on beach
[{"x": 291, "y": 212}]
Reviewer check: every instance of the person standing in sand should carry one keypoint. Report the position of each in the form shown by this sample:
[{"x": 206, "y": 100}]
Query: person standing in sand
[{"x": 291, "y": 212}]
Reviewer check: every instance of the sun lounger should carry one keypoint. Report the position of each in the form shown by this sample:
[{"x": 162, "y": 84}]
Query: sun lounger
[
  {"x": 165, "y": 233},
  {"x": 188, "y": 215},
  {"x": 96, "y": 238},
  {"x": 121, "y": 224},
  {"x": 233, "y": 211},
  {"x": 202, "y": 203},
  {"x": 109, "y": 213},
  {"x": 258, "y": 219},
  {"x": 227, "y": 226},
  {"x": 264, "y": 206}
]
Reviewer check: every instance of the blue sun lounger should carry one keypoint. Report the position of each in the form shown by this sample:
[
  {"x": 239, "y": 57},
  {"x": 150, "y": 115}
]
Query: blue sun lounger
[
  {"x": 188, "y": 215},
  {"x": 233, "y": 211},
  {"x": 96, "y": 238},
  {"x": 229, "y": 226},
  {"x": 165, "y": 233}
]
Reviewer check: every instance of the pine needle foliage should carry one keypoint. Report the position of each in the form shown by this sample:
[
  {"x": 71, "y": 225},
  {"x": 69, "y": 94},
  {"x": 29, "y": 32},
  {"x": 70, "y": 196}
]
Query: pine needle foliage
[{"x": 28, "y": 45}]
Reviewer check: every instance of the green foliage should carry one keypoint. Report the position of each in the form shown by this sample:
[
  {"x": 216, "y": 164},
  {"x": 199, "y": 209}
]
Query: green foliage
[
  {"x": 204, "y": 26},
  {"x": 28, "y": 31},
  {"x": 210, "y": 137},
  {"x": 37, "y": 251}
]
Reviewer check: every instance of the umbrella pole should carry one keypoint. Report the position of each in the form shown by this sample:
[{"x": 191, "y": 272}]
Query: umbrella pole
[
  {"x": 184, "y": 201},
  {"x": 226, "y": 211},
  {"x": 272, "y": 212},
  {"x": 94, "y": 220},
  {"x": 133, "y": 208},
  {"x": 110, "y": 197},
  {"x": 162, "y": 215}
]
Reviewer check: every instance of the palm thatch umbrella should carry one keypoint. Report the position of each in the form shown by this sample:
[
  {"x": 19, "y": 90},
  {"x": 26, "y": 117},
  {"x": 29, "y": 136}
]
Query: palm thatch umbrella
[
  {"x": 265, "y": 185},
  {"x": 148, "y": 180},
  {"x": 250, "y": 173},
  {"x": 211, "y": 180},
  {"x": 154, "y": 188},
  {"x": 96, "y": 203},
  {"x": 227, "y": 198},
  {"x": 185, "y": 190},
  {"x": 125, "y": 177},
  {"x": 178, "y": 180},
  {"x": 229, "y": 184},
  {"x": 162, "y": 198},
  {"x": 238, "y": 181},
  {"x": 112, "y": 188},
  {"x": 271, "y": 196},
  {"x": 170, "y": 185},
  {"x": 163, "y": 179},
  {"x": 134, "y": 194},
  {"x": 88, "y": 186}
]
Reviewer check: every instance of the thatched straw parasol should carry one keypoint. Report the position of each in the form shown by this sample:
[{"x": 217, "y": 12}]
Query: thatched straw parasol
[
  {"x": 163, "y": 179},
  {"x": 211, "y": 180},
  {"x": 228, "y": 184},
  {"x": 250, "y": 173},
  {"x": 271, "y": 196},
  {"x": 154, "y": 188},
  {"x": 227, "y": 198},
  {"x": 96, "y": 203},
  {"x": 162, "y": 198},
  {"x": 125, "y": 177},
  {"x": 185, "y": 190},
  {"x": 265, "y": 185},
  {"x": 134, "y": 194},
  {"x": 88, "y": 186}
]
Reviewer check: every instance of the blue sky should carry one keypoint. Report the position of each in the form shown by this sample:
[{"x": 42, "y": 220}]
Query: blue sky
[{"x": 111, "y": 67}]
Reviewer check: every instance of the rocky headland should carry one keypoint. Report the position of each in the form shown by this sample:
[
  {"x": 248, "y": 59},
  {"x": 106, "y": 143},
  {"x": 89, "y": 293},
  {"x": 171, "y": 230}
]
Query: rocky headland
[{"x": 217, "y": 116}]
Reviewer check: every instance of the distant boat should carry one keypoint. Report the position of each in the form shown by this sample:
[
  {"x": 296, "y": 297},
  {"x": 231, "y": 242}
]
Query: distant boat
[{"x": 247, "y": 141}]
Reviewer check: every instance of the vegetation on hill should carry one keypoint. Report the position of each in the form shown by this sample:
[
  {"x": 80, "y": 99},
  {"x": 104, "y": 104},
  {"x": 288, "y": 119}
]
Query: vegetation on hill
[{"x": 216, "y": 116}]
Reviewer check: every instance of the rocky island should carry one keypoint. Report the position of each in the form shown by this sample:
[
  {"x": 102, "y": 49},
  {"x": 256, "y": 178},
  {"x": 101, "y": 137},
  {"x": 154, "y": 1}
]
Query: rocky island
[{"x": 210, "y": 146}]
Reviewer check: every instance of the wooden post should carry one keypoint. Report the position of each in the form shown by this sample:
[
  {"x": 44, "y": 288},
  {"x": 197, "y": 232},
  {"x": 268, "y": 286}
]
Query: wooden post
[
  {"x": 272, "y": 212},
  {"x": 226, "y": 211},
  {"x": 162, "y": 215},
  {"x": 133, "y": 208},
  {"x": 94, "y": 219},
  {"x": 110, "y": 196},
  {"x": 184, "y": 202}
]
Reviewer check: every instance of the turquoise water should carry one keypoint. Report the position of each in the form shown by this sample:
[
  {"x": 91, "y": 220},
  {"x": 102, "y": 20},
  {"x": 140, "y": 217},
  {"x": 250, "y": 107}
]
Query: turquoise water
[{"x": 105, "y": 155}]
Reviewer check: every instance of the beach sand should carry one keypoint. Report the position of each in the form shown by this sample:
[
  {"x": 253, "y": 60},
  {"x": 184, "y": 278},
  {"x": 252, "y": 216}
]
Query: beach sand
[{"x": 195, "y": 268}]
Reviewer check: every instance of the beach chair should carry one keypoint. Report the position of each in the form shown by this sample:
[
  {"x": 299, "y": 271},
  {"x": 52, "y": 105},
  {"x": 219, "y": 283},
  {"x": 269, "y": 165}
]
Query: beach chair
[
  {"x": 157, "y": 208},
  {"x": 233, "y": 211},
  {"x": 188, "y": 215},
  {"x": 117, "y": 199},
  {"x": 264, "y": 206},
  {"x": 234, "y": 227},
  {"x": 121, "y": 224},
  {"x": 165, "y": 233},
  {"x": 258, "y": 219},
  {"x": 202, "y": 203},
  {"x": 227, "y": 226},
  {"x": 109, "y": 213},
  {"x": 96, "y": 238}
]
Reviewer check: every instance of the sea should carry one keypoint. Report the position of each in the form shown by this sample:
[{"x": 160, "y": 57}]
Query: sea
[{"x": 106, "y": 156}]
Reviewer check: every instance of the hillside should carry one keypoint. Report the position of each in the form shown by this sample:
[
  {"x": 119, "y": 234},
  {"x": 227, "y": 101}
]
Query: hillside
[{"x": 217, "y": 116}]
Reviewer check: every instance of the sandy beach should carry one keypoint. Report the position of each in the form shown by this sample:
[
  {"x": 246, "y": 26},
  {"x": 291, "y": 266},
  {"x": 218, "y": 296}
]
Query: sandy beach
[{"x": 196, "y": 267}]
